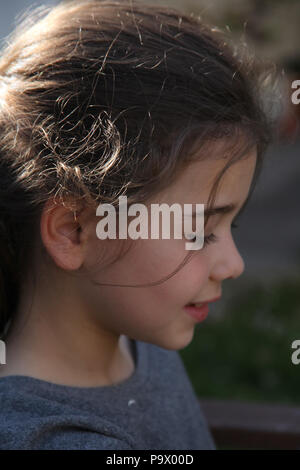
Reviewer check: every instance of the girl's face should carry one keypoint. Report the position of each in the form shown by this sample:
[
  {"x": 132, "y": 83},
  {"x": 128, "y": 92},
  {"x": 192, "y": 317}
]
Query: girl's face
[{"x": 156, "y": 313}]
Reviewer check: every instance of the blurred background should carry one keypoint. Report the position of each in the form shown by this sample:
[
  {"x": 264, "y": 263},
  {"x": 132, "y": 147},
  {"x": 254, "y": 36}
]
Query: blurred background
[{"x": 243, "y": 349}]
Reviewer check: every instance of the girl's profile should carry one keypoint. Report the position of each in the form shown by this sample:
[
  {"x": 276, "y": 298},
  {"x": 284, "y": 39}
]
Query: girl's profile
[{"x": 101, "y": 99}]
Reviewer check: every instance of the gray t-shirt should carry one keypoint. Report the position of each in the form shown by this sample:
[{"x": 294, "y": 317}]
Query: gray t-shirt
[{"x": 155, "y": 408}]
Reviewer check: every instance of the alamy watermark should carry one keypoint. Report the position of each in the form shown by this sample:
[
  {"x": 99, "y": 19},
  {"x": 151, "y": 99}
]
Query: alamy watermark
[
  {"x": 296, "y": 354},
  {"x": 2, "y": 352},
  {"x": 296, "y": 94},
  {"x": 139, "y": 226}
]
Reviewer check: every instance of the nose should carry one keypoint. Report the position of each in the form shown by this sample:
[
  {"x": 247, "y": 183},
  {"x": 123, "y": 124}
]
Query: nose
[{"x": 228, "y": 263}]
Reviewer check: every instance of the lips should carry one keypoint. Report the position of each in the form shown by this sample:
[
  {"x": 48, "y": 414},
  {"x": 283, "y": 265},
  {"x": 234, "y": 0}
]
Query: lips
[
  {"x": 198, "y": 313},
  {"x": 200, "y": 304},
  {"x": 199, "y": 310}
]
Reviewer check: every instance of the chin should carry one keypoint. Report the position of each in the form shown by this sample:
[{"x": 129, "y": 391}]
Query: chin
[{"x": 177, "y": 342}]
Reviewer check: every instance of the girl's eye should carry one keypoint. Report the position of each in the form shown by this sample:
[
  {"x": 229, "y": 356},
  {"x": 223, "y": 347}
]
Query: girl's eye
[
  {"x": 209, "y": 239},
  {"x": 212, "y": 237}
]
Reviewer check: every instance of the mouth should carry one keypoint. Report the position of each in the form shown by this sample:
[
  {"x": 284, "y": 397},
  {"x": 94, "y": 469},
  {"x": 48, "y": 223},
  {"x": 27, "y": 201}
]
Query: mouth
[
  {"x": 199, "y": 310},
  {"x": 200, "y": 304}
]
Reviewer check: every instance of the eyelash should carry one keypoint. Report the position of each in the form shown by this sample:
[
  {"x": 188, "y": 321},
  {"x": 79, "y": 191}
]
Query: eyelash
[{"x": 212, "y": 237}]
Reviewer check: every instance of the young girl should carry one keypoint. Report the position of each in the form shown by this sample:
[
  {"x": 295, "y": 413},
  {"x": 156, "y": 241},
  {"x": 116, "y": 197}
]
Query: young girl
[{"x": 102, "y": 99}]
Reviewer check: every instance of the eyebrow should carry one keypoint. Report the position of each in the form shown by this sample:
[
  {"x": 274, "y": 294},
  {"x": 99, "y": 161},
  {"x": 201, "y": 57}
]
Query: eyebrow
[
  {"x": 220, "y": 210},
  {"x": 227, "y": 209}
]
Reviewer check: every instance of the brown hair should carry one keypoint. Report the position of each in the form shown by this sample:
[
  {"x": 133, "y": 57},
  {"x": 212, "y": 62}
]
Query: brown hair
[{"x": 102, "y": 98}]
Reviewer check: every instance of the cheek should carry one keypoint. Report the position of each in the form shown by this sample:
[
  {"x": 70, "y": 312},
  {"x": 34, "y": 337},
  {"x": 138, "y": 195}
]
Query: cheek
[
  {"x": 137, "y": 309},
  {"x": 146, "y": 262},
  {"x": 154, "y": 262},
  {"x": 192, "y": 277}
]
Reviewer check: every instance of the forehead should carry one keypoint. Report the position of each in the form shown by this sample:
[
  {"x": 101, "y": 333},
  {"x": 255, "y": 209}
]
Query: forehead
[{"x": 195, "y": 181}]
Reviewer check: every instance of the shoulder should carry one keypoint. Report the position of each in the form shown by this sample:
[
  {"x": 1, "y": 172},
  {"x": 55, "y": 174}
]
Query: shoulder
[
  {"x": 57, "y": 434},
  {"x": 30, "y": 421}
]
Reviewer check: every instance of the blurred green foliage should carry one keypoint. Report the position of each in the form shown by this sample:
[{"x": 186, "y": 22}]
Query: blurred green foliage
[{"x": 245, "y": 354}]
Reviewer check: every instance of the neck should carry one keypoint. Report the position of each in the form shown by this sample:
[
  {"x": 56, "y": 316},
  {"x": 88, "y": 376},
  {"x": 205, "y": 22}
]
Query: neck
[{"x": 57, "y": 340}]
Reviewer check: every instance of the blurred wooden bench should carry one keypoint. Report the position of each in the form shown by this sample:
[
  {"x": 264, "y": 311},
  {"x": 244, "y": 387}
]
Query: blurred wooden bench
[{"x": 244, "y": 425}]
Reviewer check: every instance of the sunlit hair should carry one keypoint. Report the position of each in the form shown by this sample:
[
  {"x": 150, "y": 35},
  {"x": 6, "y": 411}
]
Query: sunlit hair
[{"x": 101, "y": 99}]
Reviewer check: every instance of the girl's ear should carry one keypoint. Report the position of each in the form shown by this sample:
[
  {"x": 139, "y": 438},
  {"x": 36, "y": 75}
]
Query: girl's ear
[{"x": 62, "y": 235}]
